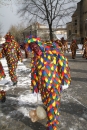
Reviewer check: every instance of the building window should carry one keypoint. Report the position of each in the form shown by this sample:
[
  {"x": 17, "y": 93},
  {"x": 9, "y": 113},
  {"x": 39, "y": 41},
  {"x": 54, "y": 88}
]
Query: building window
[
  {"x": 75, "y": 31},
  {"x": 69, "y": 32},
  {"x": 86, "y": 29},
  {"x": 75, "y": 22},
  {"x": 30, "y": 32}
]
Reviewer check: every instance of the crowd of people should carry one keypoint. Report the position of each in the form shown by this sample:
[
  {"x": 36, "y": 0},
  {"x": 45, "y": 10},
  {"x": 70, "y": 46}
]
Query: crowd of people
[{"x": 49, "y": 72}]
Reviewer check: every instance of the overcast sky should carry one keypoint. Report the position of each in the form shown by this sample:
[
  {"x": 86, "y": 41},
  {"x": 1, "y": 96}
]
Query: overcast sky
[{"x": 8, "y": 15}]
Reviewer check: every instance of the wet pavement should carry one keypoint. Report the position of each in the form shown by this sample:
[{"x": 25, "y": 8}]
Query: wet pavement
[{"x": 73, "y": 115}]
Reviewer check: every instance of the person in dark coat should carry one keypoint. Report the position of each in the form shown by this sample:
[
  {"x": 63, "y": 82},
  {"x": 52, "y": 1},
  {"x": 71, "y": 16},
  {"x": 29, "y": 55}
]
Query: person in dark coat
[
  {"x": 11, "y": 51},
  {"x": 73, "y": 47}
]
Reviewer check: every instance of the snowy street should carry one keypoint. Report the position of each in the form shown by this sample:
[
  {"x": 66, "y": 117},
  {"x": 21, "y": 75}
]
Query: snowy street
[{"x": 14, "y": 113}]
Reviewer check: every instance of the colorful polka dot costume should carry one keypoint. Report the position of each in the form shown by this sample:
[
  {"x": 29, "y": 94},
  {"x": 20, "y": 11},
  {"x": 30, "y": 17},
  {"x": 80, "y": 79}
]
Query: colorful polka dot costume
[
  {"x": 2, "y": 73},
  {"x": 2, "y": 92},
  {"x": 50, "y": 70},
  {"x": 11, "y": 50}
]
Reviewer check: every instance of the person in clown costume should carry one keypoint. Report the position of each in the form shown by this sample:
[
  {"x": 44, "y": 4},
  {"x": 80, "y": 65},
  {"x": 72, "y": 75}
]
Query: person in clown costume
[
  {"x": 11, "y": 50},
  {"x": 73, "y": 47},
  {"x": 2, "y": 75},
  {"x": 49, "y": 72},
  {"x": 84, "y": 48}
]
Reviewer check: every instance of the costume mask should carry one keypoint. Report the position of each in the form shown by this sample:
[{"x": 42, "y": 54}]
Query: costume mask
[{"x": 34, "y": 47}]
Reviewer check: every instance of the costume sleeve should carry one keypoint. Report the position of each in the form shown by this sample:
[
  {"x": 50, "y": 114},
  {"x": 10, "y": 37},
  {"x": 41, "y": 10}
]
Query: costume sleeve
[
  {"x": 2, "y": 73},
  {"x": 64, "y": 70},
  {"x": 19, "y": 53},
  {"x": 2, "y": 53}
]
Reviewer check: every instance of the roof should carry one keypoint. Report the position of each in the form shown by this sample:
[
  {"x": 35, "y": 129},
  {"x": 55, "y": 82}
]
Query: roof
[{"x": 75, "y": 13}]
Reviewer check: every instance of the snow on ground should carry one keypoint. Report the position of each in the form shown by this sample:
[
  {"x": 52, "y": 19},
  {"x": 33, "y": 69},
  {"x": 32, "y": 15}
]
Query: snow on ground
[{"x": 24, "y": 97}]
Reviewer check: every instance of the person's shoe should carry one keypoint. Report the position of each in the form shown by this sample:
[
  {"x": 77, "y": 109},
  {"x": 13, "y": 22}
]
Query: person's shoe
[{"x": 14, "y": 83}]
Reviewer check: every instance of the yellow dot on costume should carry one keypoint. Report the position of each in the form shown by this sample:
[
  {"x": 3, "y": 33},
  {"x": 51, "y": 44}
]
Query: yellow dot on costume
[
  {"x": 43, "y": 67},
  {"x": 58, "y": 113},
  {"x": 61, "y": 63},
  {"x": 39, "y": 66},
  {"x": 56, "y": 69},
  {"x": 52, "y": 68},
  {"x": 54, "y": 61},
  {"x": 44, "y": 55},
  {"x": 41, "y": 60},
  {"x": 34, "y": 39},
  {"x": 46, "y": 79},
  {"x": 54, "y": 51},
  {"x": 34, "y": 82},
  {"x": 38, "y": 56},
  {"x": 54, "y": 75},
  {"x": 58, "y": 99},
  {"x": 49, "y": 74},
  {"x": 65, "y": 71},
  {"x": 48, "y": 108},
  {"x": 57, "y": 86},
  {"x": 40, "y": 73},
  {"x": 59, "y": 80},
  {"x": 66, "y": 65},
  {"x": 51, "y": 117},
  {"x": 36, "y": 78},
  {"x": 50, "y": 52},
  {"x": 45, "y": 63},
  {"x": 53, "y": 104},
  {"x": 52, "y": 90},
  {"x": 49, "y": 86},
  {"x": 68, "y": 82},
  {"x": 50, "y": 81},
  {"x": 49, "y": 57}
]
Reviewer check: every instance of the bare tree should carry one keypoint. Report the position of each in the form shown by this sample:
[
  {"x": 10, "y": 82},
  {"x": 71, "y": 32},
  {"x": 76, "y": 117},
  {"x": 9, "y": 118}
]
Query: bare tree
[
  {"x": 51, "y": 12},
  {"x": 17, "y": 32},
  {"x": 5, "y": 2}
]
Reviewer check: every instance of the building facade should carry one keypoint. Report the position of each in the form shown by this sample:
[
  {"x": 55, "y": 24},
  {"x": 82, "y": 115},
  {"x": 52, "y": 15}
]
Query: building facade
[
  {"x": 42, "y": 31},
  {"x": 77, "y": 28},
  {"x": 38, "y": 30}
]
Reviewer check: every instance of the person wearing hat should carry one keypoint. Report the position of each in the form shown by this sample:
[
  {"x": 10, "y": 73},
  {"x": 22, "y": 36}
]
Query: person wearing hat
[
  {"x": 64, "y": 45},
  {"x": 73, "y": 47},
  {"x": 11, "y": 51},
  {"x": 84, "y": 47},
  {"x": 59, "y": 43},
  {"x": 49, "y": 71}
]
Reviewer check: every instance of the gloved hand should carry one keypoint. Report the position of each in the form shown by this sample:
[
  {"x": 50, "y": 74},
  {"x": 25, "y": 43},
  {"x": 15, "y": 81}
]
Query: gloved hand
[{"x": 65, "y": 86}]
